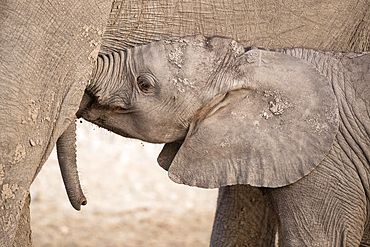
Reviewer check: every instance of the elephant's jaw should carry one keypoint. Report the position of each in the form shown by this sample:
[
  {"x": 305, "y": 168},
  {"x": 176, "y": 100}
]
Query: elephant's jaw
[{"x": 93, "y": 112}]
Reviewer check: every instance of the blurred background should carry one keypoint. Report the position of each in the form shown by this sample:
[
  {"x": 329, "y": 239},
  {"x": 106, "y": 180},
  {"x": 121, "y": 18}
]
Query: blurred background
[{"x": 131, "y": 201}]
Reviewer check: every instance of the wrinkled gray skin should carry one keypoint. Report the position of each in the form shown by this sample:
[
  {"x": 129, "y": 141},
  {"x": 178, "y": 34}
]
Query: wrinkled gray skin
[
  {"x": 294, "y": 123},
  {"x": 43, "y": 51},
  {"x": 47, "y": 50},
  {"x": 329, "y": 25}
]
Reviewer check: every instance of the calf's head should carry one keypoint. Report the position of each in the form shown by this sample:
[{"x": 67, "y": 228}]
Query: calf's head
[
  {"x": 152, "y": 92},
  {"x": 227, "y": 115}
]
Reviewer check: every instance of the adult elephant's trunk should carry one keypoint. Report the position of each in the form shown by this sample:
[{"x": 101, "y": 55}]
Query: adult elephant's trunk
[{"x": 66, "y": 151}]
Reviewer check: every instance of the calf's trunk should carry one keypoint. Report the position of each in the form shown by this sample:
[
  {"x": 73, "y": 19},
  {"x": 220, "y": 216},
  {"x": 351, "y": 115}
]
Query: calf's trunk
[
  {"x": 112, "y": 74},
  {"x": 66, "y": 151}
]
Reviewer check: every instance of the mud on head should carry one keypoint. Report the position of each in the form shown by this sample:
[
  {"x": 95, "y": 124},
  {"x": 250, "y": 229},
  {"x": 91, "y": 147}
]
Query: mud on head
[{"x": 172, "y": 78}]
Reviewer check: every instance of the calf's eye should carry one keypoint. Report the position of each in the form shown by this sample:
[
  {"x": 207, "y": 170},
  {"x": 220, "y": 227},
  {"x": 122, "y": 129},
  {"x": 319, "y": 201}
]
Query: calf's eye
[{"x": 145, "y": 83}]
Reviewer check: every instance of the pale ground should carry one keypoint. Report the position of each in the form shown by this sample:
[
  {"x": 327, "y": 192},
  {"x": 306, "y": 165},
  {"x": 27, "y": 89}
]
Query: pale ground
[{"x": 131, "y": 201}]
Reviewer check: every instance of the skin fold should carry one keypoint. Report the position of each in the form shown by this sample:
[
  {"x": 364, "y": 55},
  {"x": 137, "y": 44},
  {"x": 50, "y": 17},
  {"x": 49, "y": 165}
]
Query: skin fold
[{"x": 289, "y": 122}]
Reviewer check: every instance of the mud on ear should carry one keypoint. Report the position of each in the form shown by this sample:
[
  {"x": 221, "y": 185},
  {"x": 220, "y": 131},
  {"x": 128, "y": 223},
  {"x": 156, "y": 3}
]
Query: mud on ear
[{"x": 269, "y": 135}]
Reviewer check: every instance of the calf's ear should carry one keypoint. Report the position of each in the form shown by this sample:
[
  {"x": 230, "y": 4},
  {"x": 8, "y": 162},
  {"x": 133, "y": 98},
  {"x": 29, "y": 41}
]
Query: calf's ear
[{"x": 269, "y": 134}]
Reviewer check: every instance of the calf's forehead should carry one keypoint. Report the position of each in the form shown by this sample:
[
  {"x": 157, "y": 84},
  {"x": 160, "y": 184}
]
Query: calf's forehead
[{"x": 150, "y": 56}]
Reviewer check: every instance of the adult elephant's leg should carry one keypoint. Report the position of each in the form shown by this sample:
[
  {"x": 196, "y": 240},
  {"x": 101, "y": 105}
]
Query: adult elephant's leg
[
  {"x": 23, "y": 237},
  {"x": 328, "y": 207},
  {"x": 46, "y": 55},
  {"x": 243, "y": 218}
]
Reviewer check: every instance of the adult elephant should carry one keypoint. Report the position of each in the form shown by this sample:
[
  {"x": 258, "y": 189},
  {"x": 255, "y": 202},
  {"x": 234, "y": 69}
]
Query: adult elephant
[
  {"x": 47, "y": 49},
  {"x": 243, "y": 215}
]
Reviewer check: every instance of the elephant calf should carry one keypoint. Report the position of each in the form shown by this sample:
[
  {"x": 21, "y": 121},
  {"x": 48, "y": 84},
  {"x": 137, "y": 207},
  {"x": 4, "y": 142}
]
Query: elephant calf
[{"x": 294, "y": 123}]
